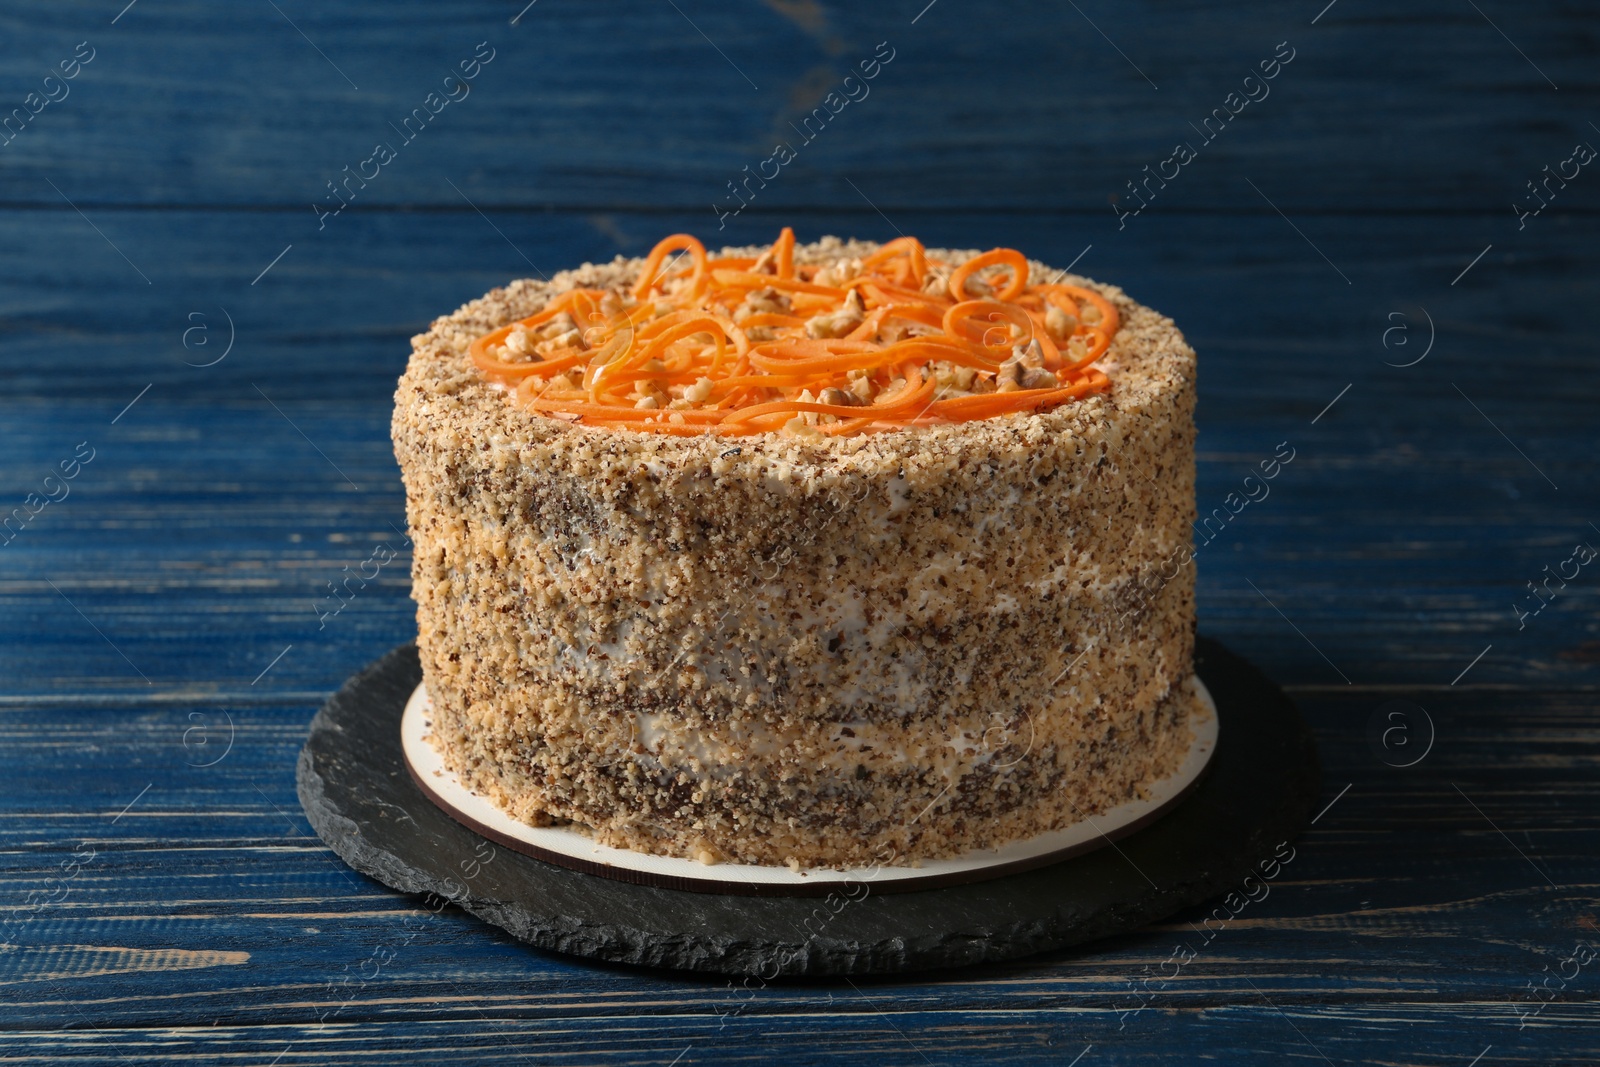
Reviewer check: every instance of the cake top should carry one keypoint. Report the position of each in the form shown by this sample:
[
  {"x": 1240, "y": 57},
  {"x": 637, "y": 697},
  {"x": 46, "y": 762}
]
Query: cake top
[{"x": 742, "y": 345}]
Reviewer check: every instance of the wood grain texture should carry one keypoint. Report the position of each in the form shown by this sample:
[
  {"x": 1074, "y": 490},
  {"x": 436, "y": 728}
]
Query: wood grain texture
[
  {"x": 1405, "y": 960},
  {"x": 165, "y": 632},
  {"x": 253, "y": 483},
  {"x": 639, "y": 104}
]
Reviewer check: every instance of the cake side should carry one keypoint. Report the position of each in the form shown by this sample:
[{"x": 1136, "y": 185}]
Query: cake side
[{"x": 826, "y": 651}]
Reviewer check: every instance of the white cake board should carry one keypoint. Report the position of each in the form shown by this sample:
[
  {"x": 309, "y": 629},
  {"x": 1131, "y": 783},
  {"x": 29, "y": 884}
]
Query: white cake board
[{"x": 567, "y": 847}]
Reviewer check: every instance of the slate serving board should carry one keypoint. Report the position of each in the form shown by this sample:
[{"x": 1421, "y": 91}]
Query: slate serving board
[{"x": 1259, "y": 793}]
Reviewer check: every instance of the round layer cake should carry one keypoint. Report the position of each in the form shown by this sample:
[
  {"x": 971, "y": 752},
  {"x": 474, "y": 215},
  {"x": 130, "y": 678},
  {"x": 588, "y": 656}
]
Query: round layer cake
[{"x": 794, "y": 648}]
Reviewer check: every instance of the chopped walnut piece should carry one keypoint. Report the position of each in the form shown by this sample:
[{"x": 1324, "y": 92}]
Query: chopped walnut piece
[
  {"x": 838, "y": 323},
  {"x": 562, "y": 323},
  {"x": 768, "y": 301},
  {"x": 1009, "y": 378},
  {"x": 899, "y": 329},
  {"x": 800, "y": 427},
  {"x": 1060, "y": 324},
  {"x": 519, "y": 348},
  {"x": 837, "y": 396},
  {"x": 805, "y": 397},
  {"x": 840, "y": 273},
  {"x": 570, "y": 339},
  {"x": 976, "y": 287}
]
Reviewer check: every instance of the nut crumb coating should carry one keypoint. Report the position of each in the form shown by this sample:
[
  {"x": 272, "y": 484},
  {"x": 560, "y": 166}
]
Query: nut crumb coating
[{"x": 801, "y": 649}]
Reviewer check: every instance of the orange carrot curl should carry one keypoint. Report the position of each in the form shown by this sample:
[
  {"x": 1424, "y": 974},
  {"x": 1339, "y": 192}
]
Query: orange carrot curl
[{"x": 746, "y": 345}]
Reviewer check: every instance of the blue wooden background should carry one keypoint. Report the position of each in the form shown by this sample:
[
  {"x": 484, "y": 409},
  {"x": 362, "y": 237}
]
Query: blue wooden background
[{"x": 1356, "y": 256}]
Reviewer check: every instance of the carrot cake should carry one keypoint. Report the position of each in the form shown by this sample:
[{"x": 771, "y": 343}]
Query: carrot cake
[{"x": 836, "y": 554}]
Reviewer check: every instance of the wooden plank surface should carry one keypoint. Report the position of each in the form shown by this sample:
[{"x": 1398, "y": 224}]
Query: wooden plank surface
[
  {"x": 268, "y": 473},
  {"x": 213, "y": 882},
  {"x": 639, "y": 104},
  {"x": 164, "y": 629}
]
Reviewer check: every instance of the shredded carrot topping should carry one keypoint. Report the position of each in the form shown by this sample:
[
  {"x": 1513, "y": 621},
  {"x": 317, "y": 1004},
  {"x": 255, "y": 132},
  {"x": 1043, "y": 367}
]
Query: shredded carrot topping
[{"x": 750, "y": 345}]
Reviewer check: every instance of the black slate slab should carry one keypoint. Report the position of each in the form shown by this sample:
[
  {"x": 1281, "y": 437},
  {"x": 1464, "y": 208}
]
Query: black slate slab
[{"x": 1259, "y": 792}]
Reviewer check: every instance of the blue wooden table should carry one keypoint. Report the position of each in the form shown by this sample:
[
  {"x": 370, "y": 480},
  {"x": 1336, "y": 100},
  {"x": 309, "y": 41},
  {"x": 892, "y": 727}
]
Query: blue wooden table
[{"x": 222, "y": 222}]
